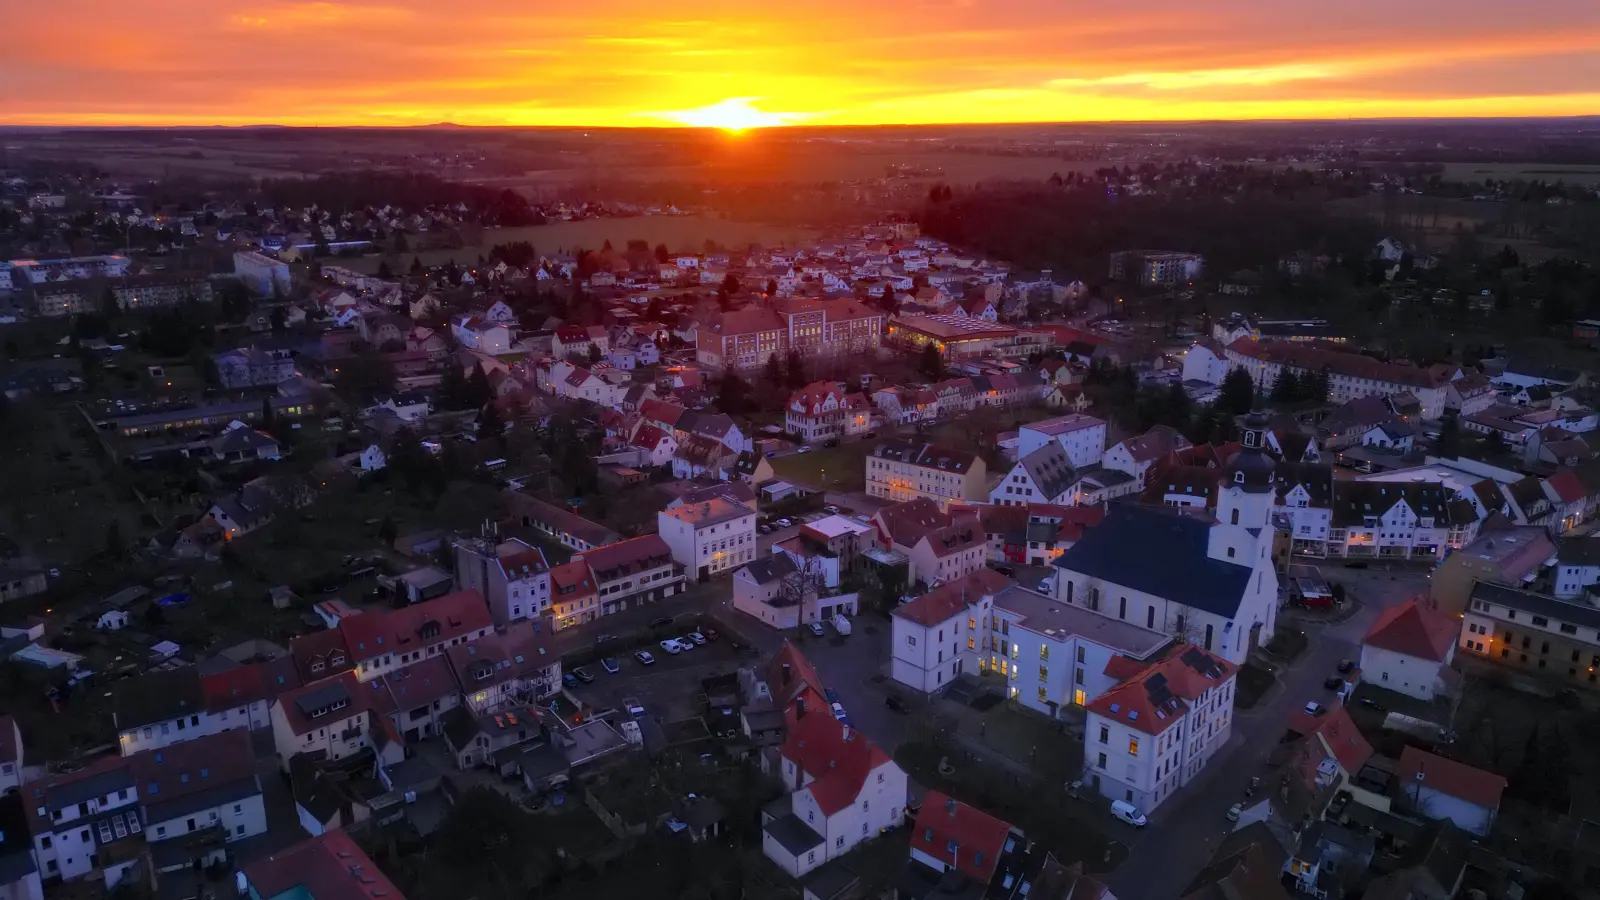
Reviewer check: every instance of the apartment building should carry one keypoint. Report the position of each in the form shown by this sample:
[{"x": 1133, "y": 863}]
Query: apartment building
[
  {"x": 939, "y": 635},
  {"x": 1153, "y": 733},
  {"x": 1045, "y": 475},
  {"x": 822, "y": 411},
  {"x": 900, "y": 471},
  {"x": 380, "y": 642},
  {"x": 1083, "y": 437},
  {"x": 631, "y": 572},
  {"x": 562, "y": 526},
  {"x": 334, "y": 717},
  {"x": 710, "y": 537},
  {"x": 251, "y": 367},
  {"x": 208, "y": 785},
  {"x": 513, "y": 577},
  {"x": 573, "y": 599},
  {"x": 1168, "y": 267},
  {"x": 262, "y": 274},
  {"x": 1559, "y": 639},
  {"x": 1350, "y": 375}
]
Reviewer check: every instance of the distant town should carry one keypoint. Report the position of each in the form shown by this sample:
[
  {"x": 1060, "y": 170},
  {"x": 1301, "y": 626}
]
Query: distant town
[{"x": 356, "y": 546}]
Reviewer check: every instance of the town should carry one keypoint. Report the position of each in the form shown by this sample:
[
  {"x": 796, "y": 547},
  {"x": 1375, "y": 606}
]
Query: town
[{"x": 357, "y": 544}]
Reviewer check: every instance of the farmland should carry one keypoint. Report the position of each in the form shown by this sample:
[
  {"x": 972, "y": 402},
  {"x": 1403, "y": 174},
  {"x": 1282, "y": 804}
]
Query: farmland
[{"x": 1571, "y": 174}]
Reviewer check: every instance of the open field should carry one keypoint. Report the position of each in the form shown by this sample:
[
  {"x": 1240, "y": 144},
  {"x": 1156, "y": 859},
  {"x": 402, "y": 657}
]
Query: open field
[
  {"x": 677, "y": 232},
  {"x": 1572, "y": 174}
]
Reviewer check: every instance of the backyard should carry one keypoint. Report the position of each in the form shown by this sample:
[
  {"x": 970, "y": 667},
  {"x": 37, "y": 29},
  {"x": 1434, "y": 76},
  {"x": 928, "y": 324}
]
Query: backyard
[{"x": 840, "y": 469}]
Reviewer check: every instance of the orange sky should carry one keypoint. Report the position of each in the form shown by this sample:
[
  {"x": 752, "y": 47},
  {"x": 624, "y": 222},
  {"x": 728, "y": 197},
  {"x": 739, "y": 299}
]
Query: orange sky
[{"x": 830, "y": 62}]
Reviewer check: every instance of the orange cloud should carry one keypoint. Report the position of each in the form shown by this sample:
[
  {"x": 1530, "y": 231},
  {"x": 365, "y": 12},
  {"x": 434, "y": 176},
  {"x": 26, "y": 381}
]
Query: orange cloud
[{"x": 828, "y": 62}]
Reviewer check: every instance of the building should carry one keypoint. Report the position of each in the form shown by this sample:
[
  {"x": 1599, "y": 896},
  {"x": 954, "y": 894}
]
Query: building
[
  {"x": 1153, "y": 733},
  {"x": 167, "y": 707},
  {"x": 937, "y": 636},
  {"x": 565, "y": 528},
  {"x": 330, "y": 866},
  {"x": 513, "y": 577},
  {"x": 709, "y": 537},
  {"x": 747, "y": 338},
  {"x": 261, "y": 274},
  {"x": 1217, "y": 585},
  {"x": 951, "y": 836},
  {"x": 11, "y": 755},
  {"x": 333, "y": 717},
  {"x": 899, "y": 471},
  {"x": 1409, "y": 650},
  {"x": 1045, "y": 475},
  {"x": 22, "y": 576},
  {"x": 199, "y": 795},
  {"x": 1166, "y": 267},
  {"x": 251, "y": 367},
  {"x": 1511, "y": 556},
  {"x": 19, "y": 874},
  {"x": 1577, "y": 565},
  {"x": 1534, "y": 632},
  {"x": 638, "y": 570},
  {"x": 573, "y": 599},
  {"x": 156, "y": 291},
  {"x": 1350, "y": 375},
  {"x": 1136, "y": 455},
  {"x": 380, "y": 642},
  {"x": 1083, "y": 437},
  {"x": 1442, "y": 788},
  {"x": 962, "y": 337},
  {"x": 822, "y": 411},
  {"x": 86, "y": 821},
  {"x": 75, "y": 268}
]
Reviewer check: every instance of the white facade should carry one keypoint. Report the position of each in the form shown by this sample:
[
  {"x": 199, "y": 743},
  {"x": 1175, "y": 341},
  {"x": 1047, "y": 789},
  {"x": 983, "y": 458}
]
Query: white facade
[
  {"x": 1201, "y": 364},
  {"x": 1136, "y": 766},
  {"x": 1018, "y": 488},
  {"x": 1413, "y": 676},
  {"x": 1083, "y": 437},
  {"x": 513, "y": 577},
  {"x": 709, "y": 547},
  {"x": 66, "y": 848},
  {"x": 155, "y": 735},
  {"x": 261, "y": 274},
  {"x": 335, "y": 733},
  {"x": 927, "y": 658},
  {"x": 238, "y": 819}
]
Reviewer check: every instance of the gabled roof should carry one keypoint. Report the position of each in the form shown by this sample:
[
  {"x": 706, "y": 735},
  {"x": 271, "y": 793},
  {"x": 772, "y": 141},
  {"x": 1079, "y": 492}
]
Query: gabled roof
[
  {"x": 195, "y": 774},
  {"x": 1156, "y": 698},
  {"x": 949, "y": 830},
  {"x": 300, "y": 705},
  {"x": 1415, "y": 630},
  {"x": 838, "y": 758},
  {"x": 946, "y": 601},
  {"x": 1566, "y": 486},
  {"x": 907, "y": 522},
  {"x": 1338, "y": 731},
  {"x": 633, "y": 555},
  {"x": 1448, "y": 777},
  {"x": 1050, "y": 470},
  {"x": 328, "y": 867},
  {"x": 1158, "y": 440},
  {"x": 1119, "y": 549},
  {"x": 927, "y": 456},
  {"x": 416, "y": 626},
  {"x": 157, "y": 697}
]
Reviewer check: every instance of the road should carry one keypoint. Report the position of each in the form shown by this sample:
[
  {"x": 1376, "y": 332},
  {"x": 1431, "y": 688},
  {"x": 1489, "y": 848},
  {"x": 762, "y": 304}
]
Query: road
[{"x": 1185, "y": 831}]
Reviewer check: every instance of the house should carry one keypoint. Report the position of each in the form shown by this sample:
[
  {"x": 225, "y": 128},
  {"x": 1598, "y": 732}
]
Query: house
[
  {"x": 239, "y": 442},
  {"x": 67, "y": 811},
  {"x": 1242, "y": 870},
  {"x": 1534, "y": 632},
  {"x": 1511, "y": 556},
  {"x": 1217, "y": 584},
  {"x": 657, "y": 447},
  {"x": 1205, "y": 362},
  {"x": 251, "y": 367},
  {"x": 1327, "y": 755},
  {"x": 380, "y": 642},
  {"x": 899, "y": 471},
  {"x": 948, "y": 552},
  {"x": 1440, "y": 788},
  {"x": 513, "y": 577},
  {"x": 483, "y": 740},
  {"x": 935, "y": 637},
  {"x": 11, "y": 755},
  {"x": 842, "y": 790},
  {"x": 333, "y": 717},
  {"x": 166, "y": 707},
  {"x": 1409, "y": 649},
  {"x": 409, "y": 408},
  {"x": 1398, "y": 436},
  {"x": 709, "y": 537},
  {"x": 1136, "y": 455},
  {"x": 19, "y": 874},
  {"x": 638, "y": 570},
  {"x": 1153, "y": 733},
  {"x": 566, "y": 528},
  {"x": 330, "y": 866},
  {"x": 1045, "y": 475},
  {"x": 205, "y": 785},
  {"x": 21, "y": 576},
  {"x": 112, "y": 620},
  {"x": 951, "y": 836},
  {"x": 487, "y": 337}
]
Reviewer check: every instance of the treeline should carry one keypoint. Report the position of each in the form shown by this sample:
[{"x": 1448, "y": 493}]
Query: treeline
[
  {"x": 1075, "y": 231},
  {"x": 342, "y": 192}
]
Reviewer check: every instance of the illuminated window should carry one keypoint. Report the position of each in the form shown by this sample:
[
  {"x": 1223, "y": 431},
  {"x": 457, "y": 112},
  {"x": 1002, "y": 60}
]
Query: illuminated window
[
  {"x": 1133, "y": 746},
  {"x": 1044, "y": 653}
]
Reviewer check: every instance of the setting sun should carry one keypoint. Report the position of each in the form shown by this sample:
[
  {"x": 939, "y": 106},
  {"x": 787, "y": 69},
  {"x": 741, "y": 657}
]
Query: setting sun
[{"x": 734, "y": 114}]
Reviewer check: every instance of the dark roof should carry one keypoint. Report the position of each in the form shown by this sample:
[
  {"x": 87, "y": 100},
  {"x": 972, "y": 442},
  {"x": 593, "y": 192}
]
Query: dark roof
[
  {"x": 1355, "y": 500},
  {"x": 1537, "y": 604},
  {"x": 1249, "y": 873},
  {"x": 1119, "y": 550},
  {"x": 1316, "y": 478},
  {"x": 770, "y": 568},
  {"x": 1050, "y": 469},
  {"x": 193, "y": 775},
  {"x": 1579, "y": 551},
  {"x": 928, "y": 456},
  {"x": 460, "y": 726},
  {"x": 795, "y": 835},
  {"x": 16, "y": 848},
  {"x": 158, "y": 697}
]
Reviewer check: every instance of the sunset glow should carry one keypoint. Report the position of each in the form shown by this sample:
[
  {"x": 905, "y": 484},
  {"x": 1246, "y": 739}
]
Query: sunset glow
[{"x": 719, "y": 64}]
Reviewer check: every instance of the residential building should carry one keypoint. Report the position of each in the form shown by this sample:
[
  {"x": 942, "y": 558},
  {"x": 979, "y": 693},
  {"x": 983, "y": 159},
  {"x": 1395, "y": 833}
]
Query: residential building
[
  {"x": 166, "y": 707},
  {"x": 899, "y": 471},
  {"x": 1441, "y": 788},
  {"x": 512, "y": 575},
  {"x": 11, "y": 756},
  {"x": 573, "y": 599},
  {"x": 1205, "y": 362},
  {"x": 262, "y": 274},
  {"x": 1152, "y": 734},
  {"x": 566, "y": 528},
  {"x": 1136, "y": 455},
  {"x": 380, "y": 642},
  {"x": 951, "y": 836},
  {"x": 67, "y": 810},
  {"x": 251, "y": 367},
  {"x": 474, "y": 333},
  {"x": 786, "y": 590},
  {"x": 939, "y": 635},
  {"x": 199, "y": 795},
  {"x": 1083, "y": 437},
  {"x": 1511, "y": 556},
  {"x": 19, "y": 874},
  {"x": 156, "y": 291},
  {"x": 823, "y": 411},
  {"x": 333, "y": 717},
  {"x": 1164, "y": 267},
  {"x": 330, "y": 866},
  {"x": 709, "y": 537},
  {"x": 638, "y": 570},
  {"x": 1409, "y": 650},
  {"x": 1534, "y": 632},
  {"x": 22, "y": 576},
  {"x": 1045, "y": 475},
  {"x": 1350, "y": 375},
  {"x": 1577, "y": 564}
]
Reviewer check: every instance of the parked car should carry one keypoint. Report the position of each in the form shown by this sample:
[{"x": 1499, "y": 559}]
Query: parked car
[
  {"x": 1373, "y": 705},
  {"x": 686, "y": 643},
  {"x": 710, "y": 633},
  {"x": 697, "y": 637},
  {"x": 831, "y": 694},
  {"x": 839, "y": 713},
  {"x": 584, "y": 675},
  {"x": 1313, "y": 708},
  {"x": 632, "y": 706},
  {"x": 671, "y": 646},
  {"x": 840, "y": 624},
  {"x": 1345, "y": 666},
  {"x": 816, "y": 628},
  {"x": 804, "y": 448},
  {"x": 1234, "y": 811},
  {"x": 644, "y": 657},
  {"x": 784, "y": 523},
  {"x": 569, "y": 679},
  {"x": 1129, "y": 813},
  {"x": 1333, "y": 683},
  {"x": 611, "y": 666},
  {"x": 897, "y": 703},
  {"x": 831, "y": 510},
  {"x": 863, "y": 519},
  {"x": 1045, "y": 585},
  {"x": 1007, "y": 571}
]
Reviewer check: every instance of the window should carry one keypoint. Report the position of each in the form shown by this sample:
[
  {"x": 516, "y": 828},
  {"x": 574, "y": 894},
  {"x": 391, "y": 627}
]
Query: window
[
  {"x": 1044, "y": 653},
  {"x": 838, "y": 843},
  {"x": 910, "y": 640},
  {"x": 1150, "y": 617},
  {"x": 1122, "y": 608},
  {"x": 1102, "y": 761},
  {"x": 1080, "y": 654},
  {"x": 1043, "y": 696},
  {"x": 1044, "y": 674},
  {"x": 1133, "y": 746},
  {"x": 1541, "y": 621},
  {"x": 1105, "y": 734}
]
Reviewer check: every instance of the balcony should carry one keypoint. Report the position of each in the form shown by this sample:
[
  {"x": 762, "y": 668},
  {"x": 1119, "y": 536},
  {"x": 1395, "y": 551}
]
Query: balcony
[{"x": 350, "y": 734}]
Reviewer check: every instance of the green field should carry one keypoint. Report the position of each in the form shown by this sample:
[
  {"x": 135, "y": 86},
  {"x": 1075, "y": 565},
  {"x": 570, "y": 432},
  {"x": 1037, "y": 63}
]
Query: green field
[
  {"x": 1571, "y": 174},
  {"x": 677, "y": 232}
]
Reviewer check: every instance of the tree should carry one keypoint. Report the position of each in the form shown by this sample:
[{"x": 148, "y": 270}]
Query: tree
[
  {"x": 772, "y": 287},
  {"x": 730, "y": 284},
  {"x": 365, "y": 377},
  {"x": 116, "y": 544},
  {"x": 774, "y": 371},
  {"x": 1448, "y": 446},
  {"x": 490, "y": 425},
  {"x": 384, "y": 271},
  {"x": 595, "y": 355},
  {"x": 1179, "y": 408},
  {"x": 1315, "y": 387},
  {"x": 416, "y": 266},
  {"x": 387, "y": 532},
  {"x": 662, "y": 255},
  {"x": 886, "y": 301},
  {"x": 1238, "y": 393},
  {"x": 479, "y": 390},
  {"x": 796, "y": 370},
  {"x": 109, "y": 307},
  {"x": 733, "y": 394},
  {"x": 454, "y": 393},
  {"x": 269, "y": 417},
  {"x": 1286, "y": 388},
  {"x": 931, "y": 363}
]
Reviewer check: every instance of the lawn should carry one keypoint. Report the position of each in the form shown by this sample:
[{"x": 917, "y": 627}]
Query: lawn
[
  {"x": 1254, "y": 682},
  {"x": 841, "y": 469},
  {"x": 1030, "y": 739}
]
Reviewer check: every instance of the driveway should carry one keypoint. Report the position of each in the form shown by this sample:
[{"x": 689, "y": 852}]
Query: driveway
[{"x": 1185, "y": 831}]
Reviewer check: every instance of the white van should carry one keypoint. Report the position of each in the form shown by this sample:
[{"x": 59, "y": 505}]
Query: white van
[
  {"x": 1129, "y": 813},
  {"x": 841, "y": 624}
]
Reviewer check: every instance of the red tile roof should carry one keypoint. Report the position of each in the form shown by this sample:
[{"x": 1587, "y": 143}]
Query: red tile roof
[
  {"x": 329, "y": 867},
  {"x": 1340, "y": 735},
  {"x": 413, "y": 627},
  {"x": 1156, "y": 698},
  {"x": 1413, "y": 629},
  {"x": 1305, "y": 356},
  {"x": 314, "y": 654},
  {"x": 189, "y": 767},
  {"x": 802, "y": 682},
  {"x": 838, "y": 758},
  {"x": 574, "y": 575},
  {"x": 977, "y": 837},
  {"x": 1449, "y": 777},
  {"x": 358, "y": 699},
  {"x": 1566, "y": 485},
  {"x": 945, "y": 601}
]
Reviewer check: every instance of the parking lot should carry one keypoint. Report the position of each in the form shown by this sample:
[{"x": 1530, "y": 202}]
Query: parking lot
[
  {"x": 666, "y": 688},
  {"x": 779, "y": 533}
]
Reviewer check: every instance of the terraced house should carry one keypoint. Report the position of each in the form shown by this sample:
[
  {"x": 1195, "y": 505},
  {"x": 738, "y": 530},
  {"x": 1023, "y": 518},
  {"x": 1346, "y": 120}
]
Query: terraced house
[{"x": 899, "y": 471}]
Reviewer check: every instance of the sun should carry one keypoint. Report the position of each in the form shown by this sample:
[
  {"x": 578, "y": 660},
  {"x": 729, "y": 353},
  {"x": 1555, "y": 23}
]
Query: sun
[{"x": 734, "y": 115}]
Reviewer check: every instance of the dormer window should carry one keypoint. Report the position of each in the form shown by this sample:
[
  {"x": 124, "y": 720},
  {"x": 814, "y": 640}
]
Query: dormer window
[{"x": 1238, "y": 477}]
